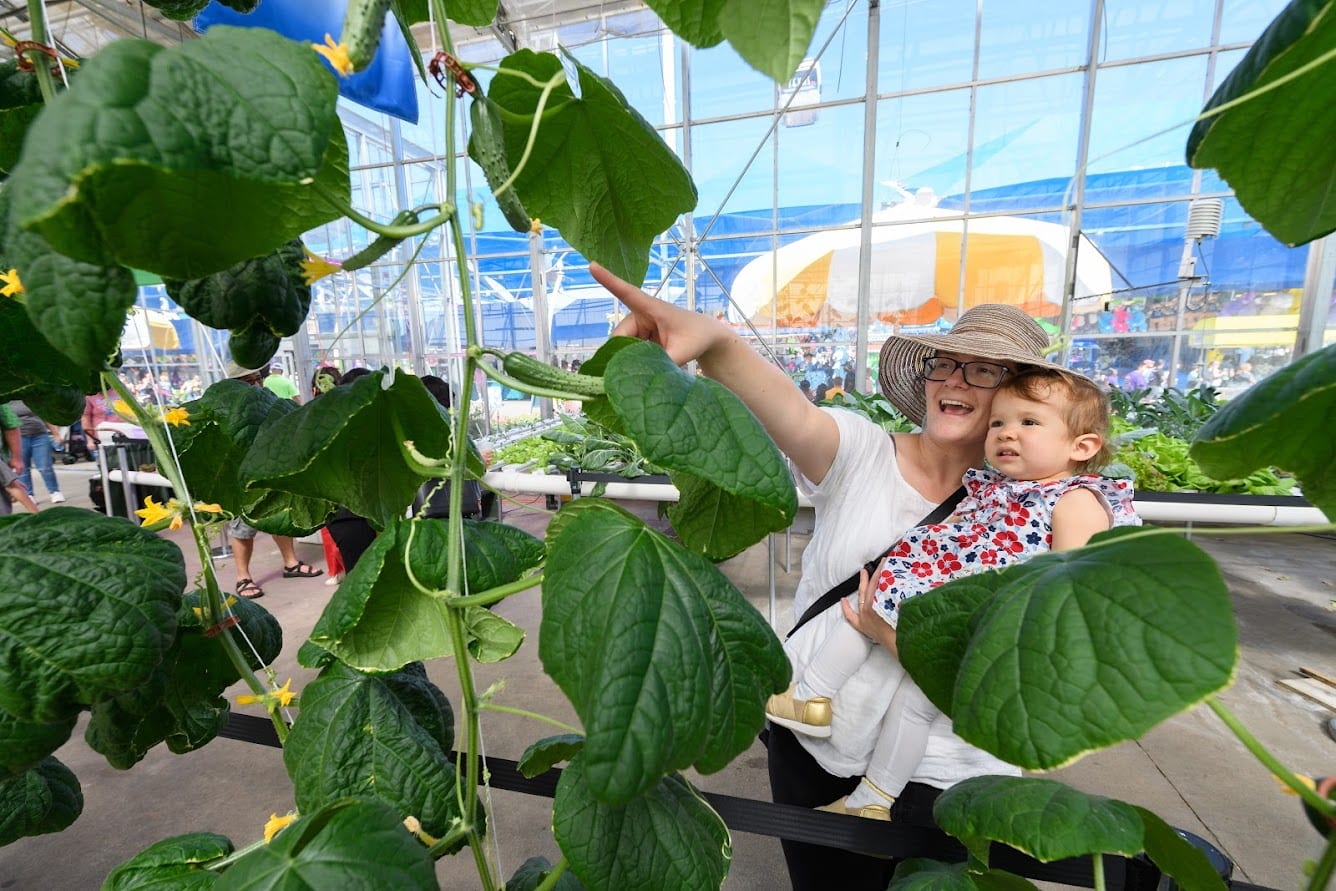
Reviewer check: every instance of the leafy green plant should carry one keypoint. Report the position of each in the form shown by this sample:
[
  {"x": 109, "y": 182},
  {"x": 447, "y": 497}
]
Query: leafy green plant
[
  {"x": 1162, "y": 463},
  {"x": 141, "y": 164},
  {"x": 1173, "y": 412},
  {"x": 875, "y": 407}
]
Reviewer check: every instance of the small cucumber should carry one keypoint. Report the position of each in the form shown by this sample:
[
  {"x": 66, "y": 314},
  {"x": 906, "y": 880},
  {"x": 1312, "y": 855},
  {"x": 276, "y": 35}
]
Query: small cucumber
[
  {"x": 528, "y": 370},
  {"x": 381, "y": 246},
  {"x": 362, "y": 23},
  {"x": 487, "y": 147}
]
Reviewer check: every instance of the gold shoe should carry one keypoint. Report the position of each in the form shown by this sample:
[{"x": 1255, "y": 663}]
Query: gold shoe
[
  {"x": 810, "y": 717},
  {"x": 867, "y": 812}
]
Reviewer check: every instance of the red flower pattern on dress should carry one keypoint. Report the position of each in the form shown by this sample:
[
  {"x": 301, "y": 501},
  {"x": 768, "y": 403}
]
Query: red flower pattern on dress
[{"x": 996, "y": 527}]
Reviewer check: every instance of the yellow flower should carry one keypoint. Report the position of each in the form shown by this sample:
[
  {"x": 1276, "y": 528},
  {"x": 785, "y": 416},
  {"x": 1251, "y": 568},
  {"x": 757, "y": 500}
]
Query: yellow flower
[
  {"x": 277, "y": 824},
  {"x": 176, "y": 416},
  {"x": 205, "y": 508},
  {"x": 535, "y": 226},
  {"x": 199, "y": 610},
  {"x": 336, "y": 54},
  {"x": 154, "y": 513},
  {"x": 12, "y": 286},
  {"x": 315, "y": 268},
  {"x": 122, "y": 408},
  {"x": 283, "y": 696}
]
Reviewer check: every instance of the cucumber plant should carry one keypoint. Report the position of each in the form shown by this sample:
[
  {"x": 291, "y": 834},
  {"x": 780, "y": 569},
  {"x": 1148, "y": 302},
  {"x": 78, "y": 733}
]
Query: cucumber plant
[{"x": 142, "y": 657}]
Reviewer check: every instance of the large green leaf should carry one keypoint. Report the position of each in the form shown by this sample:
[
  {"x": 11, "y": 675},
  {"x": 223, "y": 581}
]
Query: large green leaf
[
  {"x": 1282, "y": 422},
  {"x": 378, "y": 620},
  {"x": 270, "y": 290},
  {"x": 1176, "y": 856},
  {"x": 598, "y": 171},
  {"x": 736, "y": 487},
  {"x": 183, "y": 705},
  {"x": 1077, "y": 650},
  {"x": 356, "y": 735},
  {"x": 771, "y": 35},
  {"x": 24, "y": 743},
  {"x": 667, "y": 838},
  {"x": 28, "y": 361},
  {"x": 223, "y": 425},
  {"x": 349, "y": 446},
  {"x": 44, "y": 799},
  {"x": 1282, "y": 173},
  {"x": 1043, "y": 818},
  {"x": 179, "y": 863},
  {"x": 87, "y": 609},
  {"x": 347, "y": 844},
  {"x": 20, "y": 100},
  {"x": 143, "y": 164},
  {"x": 79, "y": 307},
  {"x": 666, "y": 663},
  {"x": 532, "y": 872}
]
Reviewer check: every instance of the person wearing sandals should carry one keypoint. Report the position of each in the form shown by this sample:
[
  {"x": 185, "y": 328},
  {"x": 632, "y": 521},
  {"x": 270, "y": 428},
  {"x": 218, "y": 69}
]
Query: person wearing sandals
[
  {"x": 242, "y": 534},
  {"x": 1048, "y": 434},
  {"x": 867, "y": 487}
]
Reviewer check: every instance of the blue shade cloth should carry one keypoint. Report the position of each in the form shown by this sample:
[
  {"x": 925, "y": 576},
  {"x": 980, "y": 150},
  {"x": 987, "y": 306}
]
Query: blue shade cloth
[{"x": 386, "y": 85}]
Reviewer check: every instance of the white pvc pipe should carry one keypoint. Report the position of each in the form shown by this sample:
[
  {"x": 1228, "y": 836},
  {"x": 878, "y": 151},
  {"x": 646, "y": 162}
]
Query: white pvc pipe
[{"x": 1150, "y": 511}]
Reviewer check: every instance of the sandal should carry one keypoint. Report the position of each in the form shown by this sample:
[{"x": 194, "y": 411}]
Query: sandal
[
  {"x": 301, "y": 571},
  {"x": 247, "y": 589}
]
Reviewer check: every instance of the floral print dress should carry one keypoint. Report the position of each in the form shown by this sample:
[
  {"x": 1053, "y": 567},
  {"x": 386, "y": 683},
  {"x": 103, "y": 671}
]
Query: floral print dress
[{"x": 1000, "y": 521}]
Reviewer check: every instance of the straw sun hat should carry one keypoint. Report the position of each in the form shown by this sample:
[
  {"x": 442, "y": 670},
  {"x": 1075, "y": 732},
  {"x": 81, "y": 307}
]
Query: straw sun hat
[{"x": 994, "y": 332}]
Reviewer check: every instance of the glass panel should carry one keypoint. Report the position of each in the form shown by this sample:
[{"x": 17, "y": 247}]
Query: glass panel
[
  {"x": 821, "y": 164},
  {"x": 718, "y": 153},
  {"x": 1020, "y": 37},
  {"x": 842, "y": 67},
  {"x": 1134, "y": 28},
  {"x": 925, "y": 44},
  {"x": 1243, "y": 21},
  {"x": 722, "y": 84},
  {"x": 1128, "y": 132},
  {"x": 1026, "y": 130},
  {"x": 921, "y": 144}
]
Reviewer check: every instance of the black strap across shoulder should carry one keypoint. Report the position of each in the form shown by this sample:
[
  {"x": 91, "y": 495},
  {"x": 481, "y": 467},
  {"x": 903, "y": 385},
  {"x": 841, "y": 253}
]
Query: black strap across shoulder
[{"x": 850, "y": 585}]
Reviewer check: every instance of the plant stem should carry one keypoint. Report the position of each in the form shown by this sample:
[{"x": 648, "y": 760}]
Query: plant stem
[
  {"x": 499, "y": 593},
  {"x": 214, "y": 608},
  {"x": 525, "y": 713},
  {"x": 421, "y": 227},
  {"x": 41, "y": 68},
  {"x": 1097, "y": 867},
  {"x": 455, "y": 538},
  {"x": 1326, "y": 866},
  {"x": 1319, "y": 803}
]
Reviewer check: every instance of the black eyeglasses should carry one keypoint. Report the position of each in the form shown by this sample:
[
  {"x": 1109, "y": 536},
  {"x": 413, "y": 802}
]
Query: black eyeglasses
[{"x": 985, "y": 375}]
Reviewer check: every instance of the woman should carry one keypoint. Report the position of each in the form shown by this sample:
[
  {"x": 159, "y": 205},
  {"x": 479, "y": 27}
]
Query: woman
[
  {"x": 867, "y": 488},
  {"x": 40, "y": 440}
]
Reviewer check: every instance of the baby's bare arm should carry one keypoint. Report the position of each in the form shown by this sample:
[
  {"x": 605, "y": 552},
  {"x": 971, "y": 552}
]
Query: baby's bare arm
[{"x": 1077, "y": 516}]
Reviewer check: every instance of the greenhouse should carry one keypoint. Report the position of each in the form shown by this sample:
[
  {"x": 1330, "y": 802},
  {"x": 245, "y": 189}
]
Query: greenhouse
[{"x": 409, "y": 397}]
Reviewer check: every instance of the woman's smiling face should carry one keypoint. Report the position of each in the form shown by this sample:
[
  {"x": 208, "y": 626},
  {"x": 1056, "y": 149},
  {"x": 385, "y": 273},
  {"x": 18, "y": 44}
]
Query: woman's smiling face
[{"x": 957, "y": 411}]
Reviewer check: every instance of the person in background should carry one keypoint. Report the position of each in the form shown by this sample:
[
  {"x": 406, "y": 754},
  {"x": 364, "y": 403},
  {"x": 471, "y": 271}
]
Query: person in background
[
  {"x": 280, "y": 386},
  {"x": 40, "y": 440},
  {"x": 97, "y": 411},
  {"x": 11, "y": 462},
  {"x": 324, "y": 379},
  {"x": 242, "y": 534},
  {"x": 351, "y": 533}
]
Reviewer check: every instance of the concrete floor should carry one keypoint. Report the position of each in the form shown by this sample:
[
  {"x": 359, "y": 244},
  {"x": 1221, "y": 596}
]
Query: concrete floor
[{"x": 1190, "y": 770}]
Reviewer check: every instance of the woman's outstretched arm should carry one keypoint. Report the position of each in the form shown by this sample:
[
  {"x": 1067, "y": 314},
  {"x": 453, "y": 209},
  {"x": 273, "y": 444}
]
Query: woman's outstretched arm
[{"x": 802, "y": 431}]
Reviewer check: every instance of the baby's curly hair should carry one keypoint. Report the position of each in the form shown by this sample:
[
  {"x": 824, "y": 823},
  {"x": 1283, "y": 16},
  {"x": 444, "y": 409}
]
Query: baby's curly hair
[{"x": 1086, "y": 410}]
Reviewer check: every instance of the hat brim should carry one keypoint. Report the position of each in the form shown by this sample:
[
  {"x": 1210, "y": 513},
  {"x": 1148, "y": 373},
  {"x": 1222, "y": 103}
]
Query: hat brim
[{"x": 901, "y": 364}]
